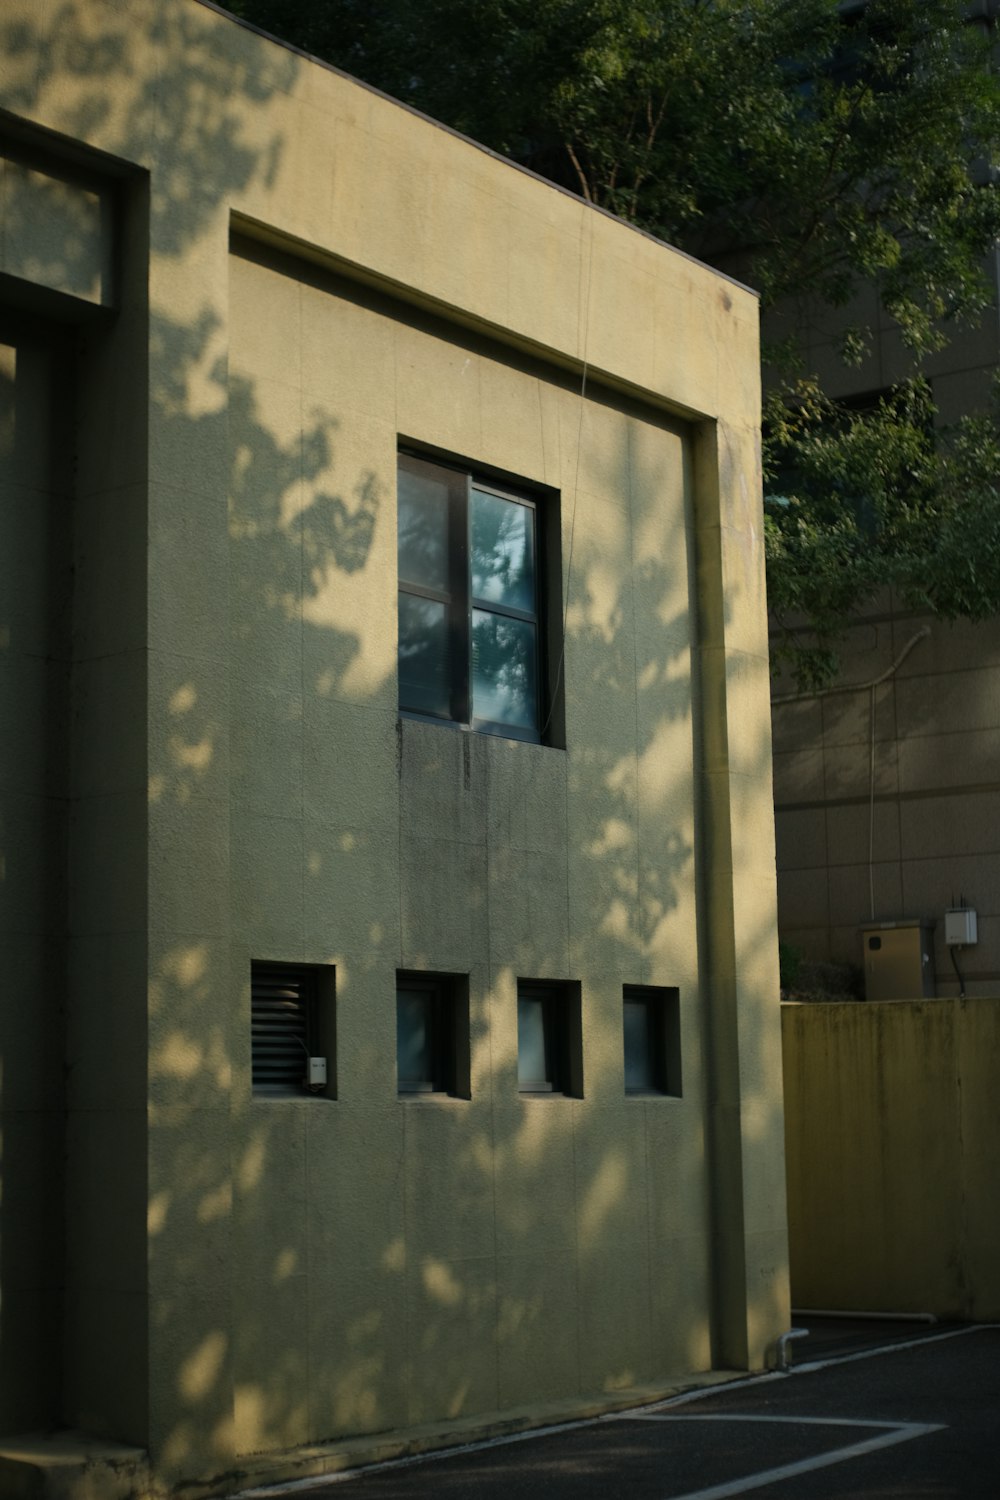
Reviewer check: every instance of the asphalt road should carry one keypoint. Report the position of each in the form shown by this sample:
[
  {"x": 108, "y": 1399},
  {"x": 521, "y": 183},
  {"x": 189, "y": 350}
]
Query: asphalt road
[{"x": 902, "y": 1414}]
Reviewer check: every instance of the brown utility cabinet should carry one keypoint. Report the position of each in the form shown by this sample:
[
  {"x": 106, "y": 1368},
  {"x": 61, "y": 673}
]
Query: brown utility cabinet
[{"x": 898, "y": 959}]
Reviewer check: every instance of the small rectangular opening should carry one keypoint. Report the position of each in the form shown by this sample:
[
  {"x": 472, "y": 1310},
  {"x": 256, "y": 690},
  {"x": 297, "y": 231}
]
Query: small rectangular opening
[
  {"x": 549, "y": 1038},
  {"x": 432, "y": 1035},
  {"x": 651, "y": 1030},
  {"x": 292, "y": 1018}
]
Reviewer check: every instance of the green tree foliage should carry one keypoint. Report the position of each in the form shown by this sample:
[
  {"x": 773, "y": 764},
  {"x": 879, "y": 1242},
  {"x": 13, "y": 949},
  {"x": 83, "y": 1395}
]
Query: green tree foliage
[{"x": 810, "y": 147}]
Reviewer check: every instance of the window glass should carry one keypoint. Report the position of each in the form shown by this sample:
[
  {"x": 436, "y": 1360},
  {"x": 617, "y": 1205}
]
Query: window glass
[
  {"x": 503, "y": 552},
  {"x": 534, "y": 1063},
  {"x": 471, "y": 623},
  {"x": 503, "y": 669},
  {"x": 651, "y": 1030},
  {"x": 415, "y": 1040},
  {"x": 639, "y": 1069},
  {"x": 432, "y": 1034},
  {"x": 422, "y": 524},
  {"x": 424, "y": 671}
]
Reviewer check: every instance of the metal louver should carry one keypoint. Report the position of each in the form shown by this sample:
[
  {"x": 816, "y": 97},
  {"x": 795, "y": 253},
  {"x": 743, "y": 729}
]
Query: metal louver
[{"x": 281, "y": 999}]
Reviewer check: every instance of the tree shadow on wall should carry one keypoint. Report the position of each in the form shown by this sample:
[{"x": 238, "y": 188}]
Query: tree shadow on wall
[{"x": 259, "y": 1261}]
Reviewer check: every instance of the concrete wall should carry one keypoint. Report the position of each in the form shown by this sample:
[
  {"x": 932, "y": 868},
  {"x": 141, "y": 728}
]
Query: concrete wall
[
  {"x": 934, "y": 834},
  {"x": 511, "y": 1250},
  {"x": 936, "y": 723},
  {"x": 893, "y": 1178},
  {"x": 301, "y": 274}
]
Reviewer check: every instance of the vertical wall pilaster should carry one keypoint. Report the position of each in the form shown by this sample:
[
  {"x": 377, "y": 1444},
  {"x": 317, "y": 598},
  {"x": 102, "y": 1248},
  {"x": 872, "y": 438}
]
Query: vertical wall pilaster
[
  {"x": 187, "y": 726},
  {"x": 738, "y": 934}
]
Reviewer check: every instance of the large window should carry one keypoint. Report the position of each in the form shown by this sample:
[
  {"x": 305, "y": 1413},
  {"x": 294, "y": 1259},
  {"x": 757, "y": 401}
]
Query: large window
[{"x": 471, "y": 627}]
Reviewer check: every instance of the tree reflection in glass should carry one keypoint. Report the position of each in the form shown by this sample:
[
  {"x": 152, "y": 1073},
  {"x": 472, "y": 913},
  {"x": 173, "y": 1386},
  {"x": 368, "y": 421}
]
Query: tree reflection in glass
[
  {"x": 503, "y": 669},
  {"x": 503, "y": 552},
  {"x": 424, "y": 670},
  {"x": 502, "y": 566},
  {"x": 468, "y": 608},
  {"x": 422, "y": 527}
]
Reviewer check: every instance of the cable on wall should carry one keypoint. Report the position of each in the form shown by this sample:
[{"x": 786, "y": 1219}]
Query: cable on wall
[{"x": 855, "y": 687}]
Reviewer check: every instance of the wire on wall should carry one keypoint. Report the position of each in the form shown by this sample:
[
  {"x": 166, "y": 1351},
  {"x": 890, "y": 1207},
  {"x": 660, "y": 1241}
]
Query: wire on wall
[{"x": 856, "y": 687}]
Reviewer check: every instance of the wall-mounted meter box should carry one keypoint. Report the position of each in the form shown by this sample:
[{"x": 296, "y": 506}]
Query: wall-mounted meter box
[
  {"x": 898, "y": 960},
  {"x": 961, "y": 927}
]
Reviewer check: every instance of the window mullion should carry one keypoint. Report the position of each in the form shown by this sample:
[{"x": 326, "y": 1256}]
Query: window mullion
[
  {"x": 461, "y": 621},
  {"x": 494, "y": 607}
]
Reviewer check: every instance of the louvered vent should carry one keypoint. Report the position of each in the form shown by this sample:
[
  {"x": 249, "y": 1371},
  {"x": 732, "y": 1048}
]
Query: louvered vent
[{"x": 282, "y": 999}]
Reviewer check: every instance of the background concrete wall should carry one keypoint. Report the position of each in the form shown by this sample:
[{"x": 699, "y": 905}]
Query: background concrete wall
[
  {"x": 934, "y": 828},
  {"x": 892, "y": 1118}
]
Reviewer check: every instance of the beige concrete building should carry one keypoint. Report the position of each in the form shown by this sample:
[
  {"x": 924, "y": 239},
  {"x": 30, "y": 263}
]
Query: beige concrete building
[{"x": 389, "y": 1044}]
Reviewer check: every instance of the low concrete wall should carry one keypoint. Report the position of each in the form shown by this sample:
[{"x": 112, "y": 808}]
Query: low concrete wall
[{"x": 892, "y": 1121}]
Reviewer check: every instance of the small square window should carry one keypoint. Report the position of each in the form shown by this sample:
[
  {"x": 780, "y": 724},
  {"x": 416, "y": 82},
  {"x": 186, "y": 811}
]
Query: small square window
[
  {"x": 474, "y": 630},
  {"x": 291, "y": 1022},
  {"x": 432, "y": 1034},
  {"x": 549, "y": 1052},
  {"x": 652, "y": 1037}
]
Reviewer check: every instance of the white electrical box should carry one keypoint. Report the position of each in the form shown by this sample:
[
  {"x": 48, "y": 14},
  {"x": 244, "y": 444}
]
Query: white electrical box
[
  {"x": 317, "y": 1072},
  {"x": 960, "y": 927}
]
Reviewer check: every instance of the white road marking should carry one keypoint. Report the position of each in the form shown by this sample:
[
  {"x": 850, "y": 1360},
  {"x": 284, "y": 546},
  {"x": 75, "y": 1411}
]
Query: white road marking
[
  {"x": 725, "y": 1416},
  {"x": 407, "y": 1460},
  {"x": 930, "y": 1338},
  {"x": 706, "y": 1392},
  {"x": 899, "y": 1433}
]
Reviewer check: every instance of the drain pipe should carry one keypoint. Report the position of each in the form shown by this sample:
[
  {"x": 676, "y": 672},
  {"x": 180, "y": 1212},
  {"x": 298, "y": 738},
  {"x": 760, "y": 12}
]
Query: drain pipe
[{"x": 779, "y": 1356}]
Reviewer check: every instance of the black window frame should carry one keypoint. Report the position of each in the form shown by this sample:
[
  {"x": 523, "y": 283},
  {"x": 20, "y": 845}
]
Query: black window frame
[
  {"x": 662, "y": 1056},
  {"x": 561, "y": 1025},
  {"x": 461, "y": 603},
  {"x": 447, "y": 1007}
]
